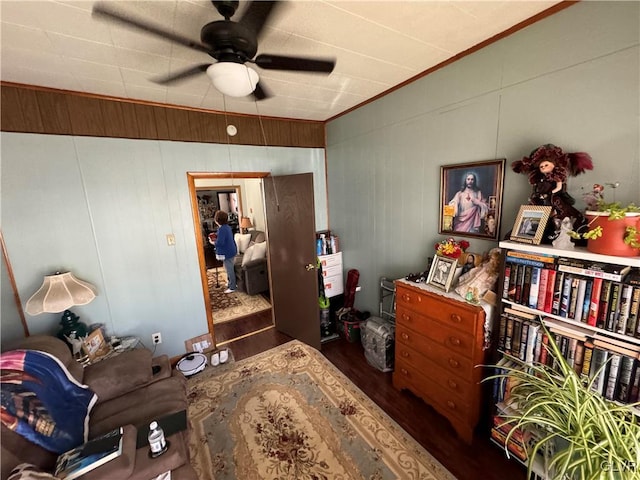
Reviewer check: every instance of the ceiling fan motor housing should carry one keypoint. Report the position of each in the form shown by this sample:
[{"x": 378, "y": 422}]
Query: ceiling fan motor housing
[{"x": 225, "y": 37}]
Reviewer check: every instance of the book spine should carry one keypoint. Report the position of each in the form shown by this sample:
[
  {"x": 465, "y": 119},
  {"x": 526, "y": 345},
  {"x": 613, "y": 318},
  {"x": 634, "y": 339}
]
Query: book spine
[
  {"x": 582, "y": 288},
  {"x": 532, "y": 301},
  {"x": 515, "y": 339},
  {"x": 579, "y": 358},
  {"x": 594, "y": 306},
  {"x": 542, "y": 289},
  {"x": 513, "y": 280},
  {"x": 566, "y": 295},
  {"x": 586, "y": 302},
  {"x": 524, "y": 340},
  {"x": 502, "y": 332},
  {"x": 625, "y": 308},
  {"x": 557, "y": 293},
  {"x": 634, "y": 394},
  {"x": 603, "y": 309},
  {"x": 519, "y": 283},
  {"x": 586, "y": 362},
  {"x": 613, "y": 306},
  {"x": 623, "y": 389},
  {"x": 526, "y": 285},
  {"x": 506, "y": 280},
  {"x": 544, "y": 353},
  {"x": 612, "y": 378},
  {"x": 633, "y": 326},
  {"x": 551, "y": 282},
  {"x": 573, "y": 297},
  {"x": 538, "y": 257},
  {"x": 599, "y": 371},
  {"x": 508, "y": 339}
]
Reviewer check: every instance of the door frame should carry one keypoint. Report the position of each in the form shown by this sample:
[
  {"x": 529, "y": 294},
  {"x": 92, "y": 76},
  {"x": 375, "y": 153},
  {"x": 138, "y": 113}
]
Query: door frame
[{"x": 191, "y": 179}]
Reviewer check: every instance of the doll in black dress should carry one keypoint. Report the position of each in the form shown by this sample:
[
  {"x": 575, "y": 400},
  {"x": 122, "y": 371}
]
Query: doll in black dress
[{"x": 548, "y": 168}]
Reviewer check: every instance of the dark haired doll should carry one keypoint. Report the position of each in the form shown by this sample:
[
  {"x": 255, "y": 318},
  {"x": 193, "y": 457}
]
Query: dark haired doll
[{"x": 548, "y": 168}]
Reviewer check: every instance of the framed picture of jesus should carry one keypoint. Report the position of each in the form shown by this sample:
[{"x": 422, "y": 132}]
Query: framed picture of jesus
[{"x": 471, "y": 198}]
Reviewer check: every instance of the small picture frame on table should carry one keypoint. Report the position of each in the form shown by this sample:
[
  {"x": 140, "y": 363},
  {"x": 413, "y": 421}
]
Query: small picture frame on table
[
  {"x": 95, "y": 345},
  {"x": 442, "y": 271},
  {"x": 530, "y": 224}
]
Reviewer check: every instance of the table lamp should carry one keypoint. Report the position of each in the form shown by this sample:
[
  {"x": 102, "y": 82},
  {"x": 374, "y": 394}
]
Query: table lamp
[
  {"x": 245, "y": 224},
  {"x": 58, "y": 293}
]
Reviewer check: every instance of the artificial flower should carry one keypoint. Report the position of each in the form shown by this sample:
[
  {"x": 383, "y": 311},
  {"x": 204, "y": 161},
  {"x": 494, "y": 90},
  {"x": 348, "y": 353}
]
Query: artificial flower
[{"x": 451, "y": 247}]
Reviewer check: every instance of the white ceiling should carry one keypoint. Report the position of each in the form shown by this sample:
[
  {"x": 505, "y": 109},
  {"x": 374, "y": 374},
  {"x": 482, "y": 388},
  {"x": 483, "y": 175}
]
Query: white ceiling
[{"x": 377, "y": 45}]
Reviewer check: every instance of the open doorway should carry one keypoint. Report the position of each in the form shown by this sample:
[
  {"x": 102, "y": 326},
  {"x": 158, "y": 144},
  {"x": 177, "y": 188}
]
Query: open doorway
[{"x": 248, "y": 310}]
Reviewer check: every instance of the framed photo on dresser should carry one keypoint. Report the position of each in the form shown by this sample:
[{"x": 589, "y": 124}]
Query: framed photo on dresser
[{"x": 442, "y": 272}]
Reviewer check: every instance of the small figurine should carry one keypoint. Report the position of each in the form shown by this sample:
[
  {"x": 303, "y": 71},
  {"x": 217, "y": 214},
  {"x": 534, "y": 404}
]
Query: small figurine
[
  {"x": 548, "y": 168},
  {"x": 563, "y": 240}
]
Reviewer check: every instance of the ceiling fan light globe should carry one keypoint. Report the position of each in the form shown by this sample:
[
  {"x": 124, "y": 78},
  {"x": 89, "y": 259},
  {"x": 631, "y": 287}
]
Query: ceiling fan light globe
[{"x": 233, "y": 79}]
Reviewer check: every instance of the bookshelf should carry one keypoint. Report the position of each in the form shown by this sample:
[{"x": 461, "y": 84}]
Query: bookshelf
[{"x": 591, "y": 325}]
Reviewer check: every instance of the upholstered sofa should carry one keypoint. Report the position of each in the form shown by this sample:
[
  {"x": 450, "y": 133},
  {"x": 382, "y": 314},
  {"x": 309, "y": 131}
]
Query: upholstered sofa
[
  {"x": 250, "y": 265},
  {"x": 132, "y": 390}
]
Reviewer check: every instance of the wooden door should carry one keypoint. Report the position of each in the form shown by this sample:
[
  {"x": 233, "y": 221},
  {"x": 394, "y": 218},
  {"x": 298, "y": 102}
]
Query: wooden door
[{"x": 292, "y": 256}]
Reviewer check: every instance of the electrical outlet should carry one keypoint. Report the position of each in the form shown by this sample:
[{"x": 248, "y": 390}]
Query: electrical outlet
[{"x": 156, "y": 338}]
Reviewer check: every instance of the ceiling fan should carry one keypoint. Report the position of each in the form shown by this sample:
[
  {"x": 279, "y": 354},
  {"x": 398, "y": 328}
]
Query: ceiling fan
[{"x": 231, "y": 43}]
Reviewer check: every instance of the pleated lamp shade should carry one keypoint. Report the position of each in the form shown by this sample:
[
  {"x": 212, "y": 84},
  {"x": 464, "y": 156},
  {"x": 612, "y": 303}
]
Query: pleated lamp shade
[
  {"x": 245, "y": 222},
  {"x": 58, "y": 293}
]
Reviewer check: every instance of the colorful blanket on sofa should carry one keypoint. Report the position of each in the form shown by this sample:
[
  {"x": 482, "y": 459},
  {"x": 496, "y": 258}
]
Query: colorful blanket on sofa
[{"x": 42, "y": 401}]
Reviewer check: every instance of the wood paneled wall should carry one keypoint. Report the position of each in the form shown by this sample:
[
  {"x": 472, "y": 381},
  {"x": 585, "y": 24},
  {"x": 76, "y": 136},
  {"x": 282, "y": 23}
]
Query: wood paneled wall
[{"x": 30, "y": 109}]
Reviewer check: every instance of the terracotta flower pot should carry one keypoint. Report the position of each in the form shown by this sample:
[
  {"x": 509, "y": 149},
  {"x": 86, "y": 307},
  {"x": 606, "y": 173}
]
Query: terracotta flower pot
[{"x": 613, "y": 231}]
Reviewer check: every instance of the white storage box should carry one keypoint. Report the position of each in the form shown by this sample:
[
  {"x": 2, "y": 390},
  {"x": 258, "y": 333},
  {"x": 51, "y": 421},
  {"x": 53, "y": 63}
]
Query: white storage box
[{"x": 378, "y": 338}]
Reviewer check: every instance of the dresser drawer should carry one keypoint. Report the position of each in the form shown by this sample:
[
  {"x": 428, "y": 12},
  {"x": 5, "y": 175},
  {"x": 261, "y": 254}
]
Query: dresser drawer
[
  {"x": 454, "y": 314},
  {"x": 456, "y": 342},
  {"x": 446, "y": 379},
  {"x": 445, "y": 358},
  {"x": 450, "y": 401}
]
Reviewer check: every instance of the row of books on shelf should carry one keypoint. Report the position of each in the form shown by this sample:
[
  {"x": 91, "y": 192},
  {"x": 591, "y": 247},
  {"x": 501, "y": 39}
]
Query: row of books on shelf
[
  {"x": 614, "y": 365},
  {"x": 601, "y": 295},
  {"x": 516, "y": 443}
]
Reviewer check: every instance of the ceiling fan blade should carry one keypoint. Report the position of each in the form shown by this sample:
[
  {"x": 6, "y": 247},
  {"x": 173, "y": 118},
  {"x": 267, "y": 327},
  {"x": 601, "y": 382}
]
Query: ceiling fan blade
[
  {"x": 260, "y": 93},
  {"x": 256, "y": 15},
  {"x": 102, "y": 10},
  {"x": 181, "y": 75},
  {"x": 280, "y": 62}
]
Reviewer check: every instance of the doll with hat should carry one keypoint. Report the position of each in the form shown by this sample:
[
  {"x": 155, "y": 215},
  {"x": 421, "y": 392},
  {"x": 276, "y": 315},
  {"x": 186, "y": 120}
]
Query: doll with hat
[{"x": 548, "y": 168}]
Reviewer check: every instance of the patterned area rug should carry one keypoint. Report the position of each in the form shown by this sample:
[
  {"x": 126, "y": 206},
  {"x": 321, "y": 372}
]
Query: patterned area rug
[
  {"x": 288, "y": 413},
  {"x": 231, "y": 306}
]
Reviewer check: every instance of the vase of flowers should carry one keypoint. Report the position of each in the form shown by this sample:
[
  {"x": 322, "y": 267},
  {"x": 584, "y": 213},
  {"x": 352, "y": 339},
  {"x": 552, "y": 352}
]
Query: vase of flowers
[{"x": 452, "y": 248}]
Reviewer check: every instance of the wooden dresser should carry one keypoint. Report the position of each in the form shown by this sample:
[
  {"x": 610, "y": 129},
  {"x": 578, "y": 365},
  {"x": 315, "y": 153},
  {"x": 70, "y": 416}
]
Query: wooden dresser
[{"x": 439, "y": 340}]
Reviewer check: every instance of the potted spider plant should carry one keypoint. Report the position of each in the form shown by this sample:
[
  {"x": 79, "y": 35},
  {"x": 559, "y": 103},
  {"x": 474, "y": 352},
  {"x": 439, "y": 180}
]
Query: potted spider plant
[{"x": 580, "y": 434}]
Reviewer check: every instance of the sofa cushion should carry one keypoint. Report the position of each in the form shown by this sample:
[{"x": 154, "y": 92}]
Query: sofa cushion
[
  {"x": 119, "y": 375},
  {"x": 259, "y": 251},
  {"x": 140, "y": 406},
  {"x": 247, "y": 256},
  {"x": 56, "y": 347},
  {"x": 242, "y": 241}
]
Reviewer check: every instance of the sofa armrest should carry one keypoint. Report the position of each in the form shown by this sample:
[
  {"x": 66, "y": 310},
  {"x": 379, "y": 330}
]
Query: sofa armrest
[
  {"x": 255, "y": 264},
  {"x": 118, "y": 375},
  {"x": 121, "y": 467}
]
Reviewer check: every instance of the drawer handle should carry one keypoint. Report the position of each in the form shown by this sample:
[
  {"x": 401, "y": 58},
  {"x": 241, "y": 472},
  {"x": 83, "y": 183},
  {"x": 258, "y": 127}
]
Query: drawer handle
[
  {"x": 419, "y": 299},
  {"x": 405, "y": 336},
  {"x": 455, "y": 341},
  {"x": 406, "y": 318},
  {"x": 404, "y": 354},
  {"x": 404, "y": 372},
  {"x": 451, "y": 404},
  {"x": 453, "y": 384},
  {"x": 406, "y": 298},
  {"x": 456, "y": 318},
  {"x": 454, "y": 363}
]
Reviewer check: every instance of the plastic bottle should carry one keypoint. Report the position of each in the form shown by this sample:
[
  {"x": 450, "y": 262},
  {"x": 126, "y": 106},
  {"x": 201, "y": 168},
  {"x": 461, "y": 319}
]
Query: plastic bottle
[
  {"x": 323, "y": 242},
  {"x": 319, "y": 247},
  {"x": 157, "y": 441}
]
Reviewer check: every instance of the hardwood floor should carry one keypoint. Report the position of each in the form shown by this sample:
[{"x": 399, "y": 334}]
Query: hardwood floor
[
  {"x": 229, "y": 331},
  {"x": 481, "y": 460}
]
